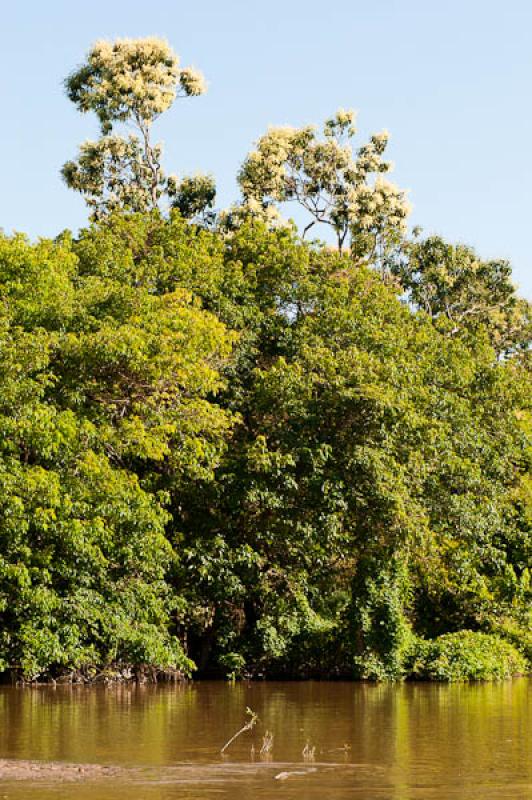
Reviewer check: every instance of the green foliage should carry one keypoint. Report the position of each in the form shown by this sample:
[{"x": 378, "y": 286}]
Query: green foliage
[
  {"x": 193, "y": 196},
  {"x": 105, "y": 410},
  {"x": 382, "y": 630},
  {"x": 517, "y": 632},
  {"x": 463, "y": 293},
  {"x": 227, "y": 449},
  {"x": 375, "y": 487},
  {"x": 466, "y": 656}
]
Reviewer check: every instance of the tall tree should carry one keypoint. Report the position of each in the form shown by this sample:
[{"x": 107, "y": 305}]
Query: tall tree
[
  {"x": 337, "y": 187},
  {"x": 132, "y": 82}
]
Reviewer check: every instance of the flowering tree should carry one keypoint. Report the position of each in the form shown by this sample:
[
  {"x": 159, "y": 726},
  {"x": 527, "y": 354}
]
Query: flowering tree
[
  {"x": 129, "y": 81},
  {"x": 462, "y": 293},
  {"x": 331, "y": 182}
]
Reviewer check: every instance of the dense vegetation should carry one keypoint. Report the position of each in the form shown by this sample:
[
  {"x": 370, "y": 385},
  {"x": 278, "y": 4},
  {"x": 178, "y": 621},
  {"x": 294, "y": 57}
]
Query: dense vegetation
[{"x": 227, "y": 450}]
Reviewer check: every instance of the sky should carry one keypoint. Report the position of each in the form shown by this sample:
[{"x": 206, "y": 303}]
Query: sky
[{"x": 451, "y": 81}]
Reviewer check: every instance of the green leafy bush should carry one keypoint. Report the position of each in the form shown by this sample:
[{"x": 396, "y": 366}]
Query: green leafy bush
[
  {"x": 518, "y": 633},
  {"x": 466, "y": 656}
]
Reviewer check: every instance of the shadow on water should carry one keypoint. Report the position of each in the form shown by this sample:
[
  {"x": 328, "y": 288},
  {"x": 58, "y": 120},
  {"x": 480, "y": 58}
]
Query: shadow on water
[{"x": 333, "y": 740}]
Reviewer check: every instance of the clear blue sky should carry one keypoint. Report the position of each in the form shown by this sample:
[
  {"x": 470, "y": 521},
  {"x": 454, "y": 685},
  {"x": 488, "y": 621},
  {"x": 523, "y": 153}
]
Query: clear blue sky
[{"x": 450, "y": 80}]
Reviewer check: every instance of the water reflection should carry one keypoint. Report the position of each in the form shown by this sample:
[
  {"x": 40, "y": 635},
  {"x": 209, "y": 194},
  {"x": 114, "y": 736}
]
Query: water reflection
[{"x": 371, "y": 741}]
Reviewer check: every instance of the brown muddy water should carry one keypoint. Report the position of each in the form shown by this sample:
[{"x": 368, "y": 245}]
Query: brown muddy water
[{"x": 405, "y": 742}]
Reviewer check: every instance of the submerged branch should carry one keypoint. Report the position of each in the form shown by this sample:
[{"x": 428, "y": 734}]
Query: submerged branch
[{"x": 253, "y": 718}]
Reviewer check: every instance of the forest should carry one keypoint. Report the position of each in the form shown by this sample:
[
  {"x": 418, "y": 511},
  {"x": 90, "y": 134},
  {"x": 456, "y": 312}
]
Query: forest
[{"x": 236, "y": 446}]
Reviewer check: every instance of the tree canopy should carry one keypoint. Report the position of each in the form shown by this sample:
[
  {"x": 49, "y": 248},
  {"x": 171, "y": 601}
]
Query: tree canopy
[
  {"x": 231, "y": 450},
  {"x": 129, "y": 81},
  {"x": 331, "y": 183}
]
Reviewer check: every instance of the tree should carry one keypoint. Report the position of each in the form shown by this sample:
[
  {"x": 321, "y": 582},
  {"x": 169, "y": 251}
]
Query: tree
[
  {"x": 331, "y": 183},
  {"x": 131, "y": 82},
  {"x": 463, "y": 293},
  {"x": 374, "y": 480},
  {"x": 107, "y": 408}
]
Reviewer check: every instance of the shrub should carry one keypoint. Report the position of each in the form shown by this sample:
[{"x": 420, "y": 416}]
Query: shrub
[
  {"x": 519, "y": 635},
  {"x": 466, "y": 656}
]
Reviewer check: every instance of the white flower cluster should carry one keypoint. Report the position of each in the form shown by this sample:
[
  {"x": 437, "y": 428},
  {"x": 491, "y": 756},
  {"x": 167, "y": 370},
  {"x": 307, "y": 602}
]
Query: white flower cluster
[
  {"x": 192, "y": 82},
  {"x": 380, "y": 204},
  {"x": 126, "y": 78},
  {"x": 265, "y": 172}
]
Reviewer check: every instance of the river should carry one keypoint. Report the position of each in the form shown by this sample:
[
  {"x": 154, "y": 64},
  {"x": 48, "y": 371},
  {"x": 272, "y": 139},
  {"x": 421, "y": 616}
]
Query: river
[{"x": 400, "y": 742}]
